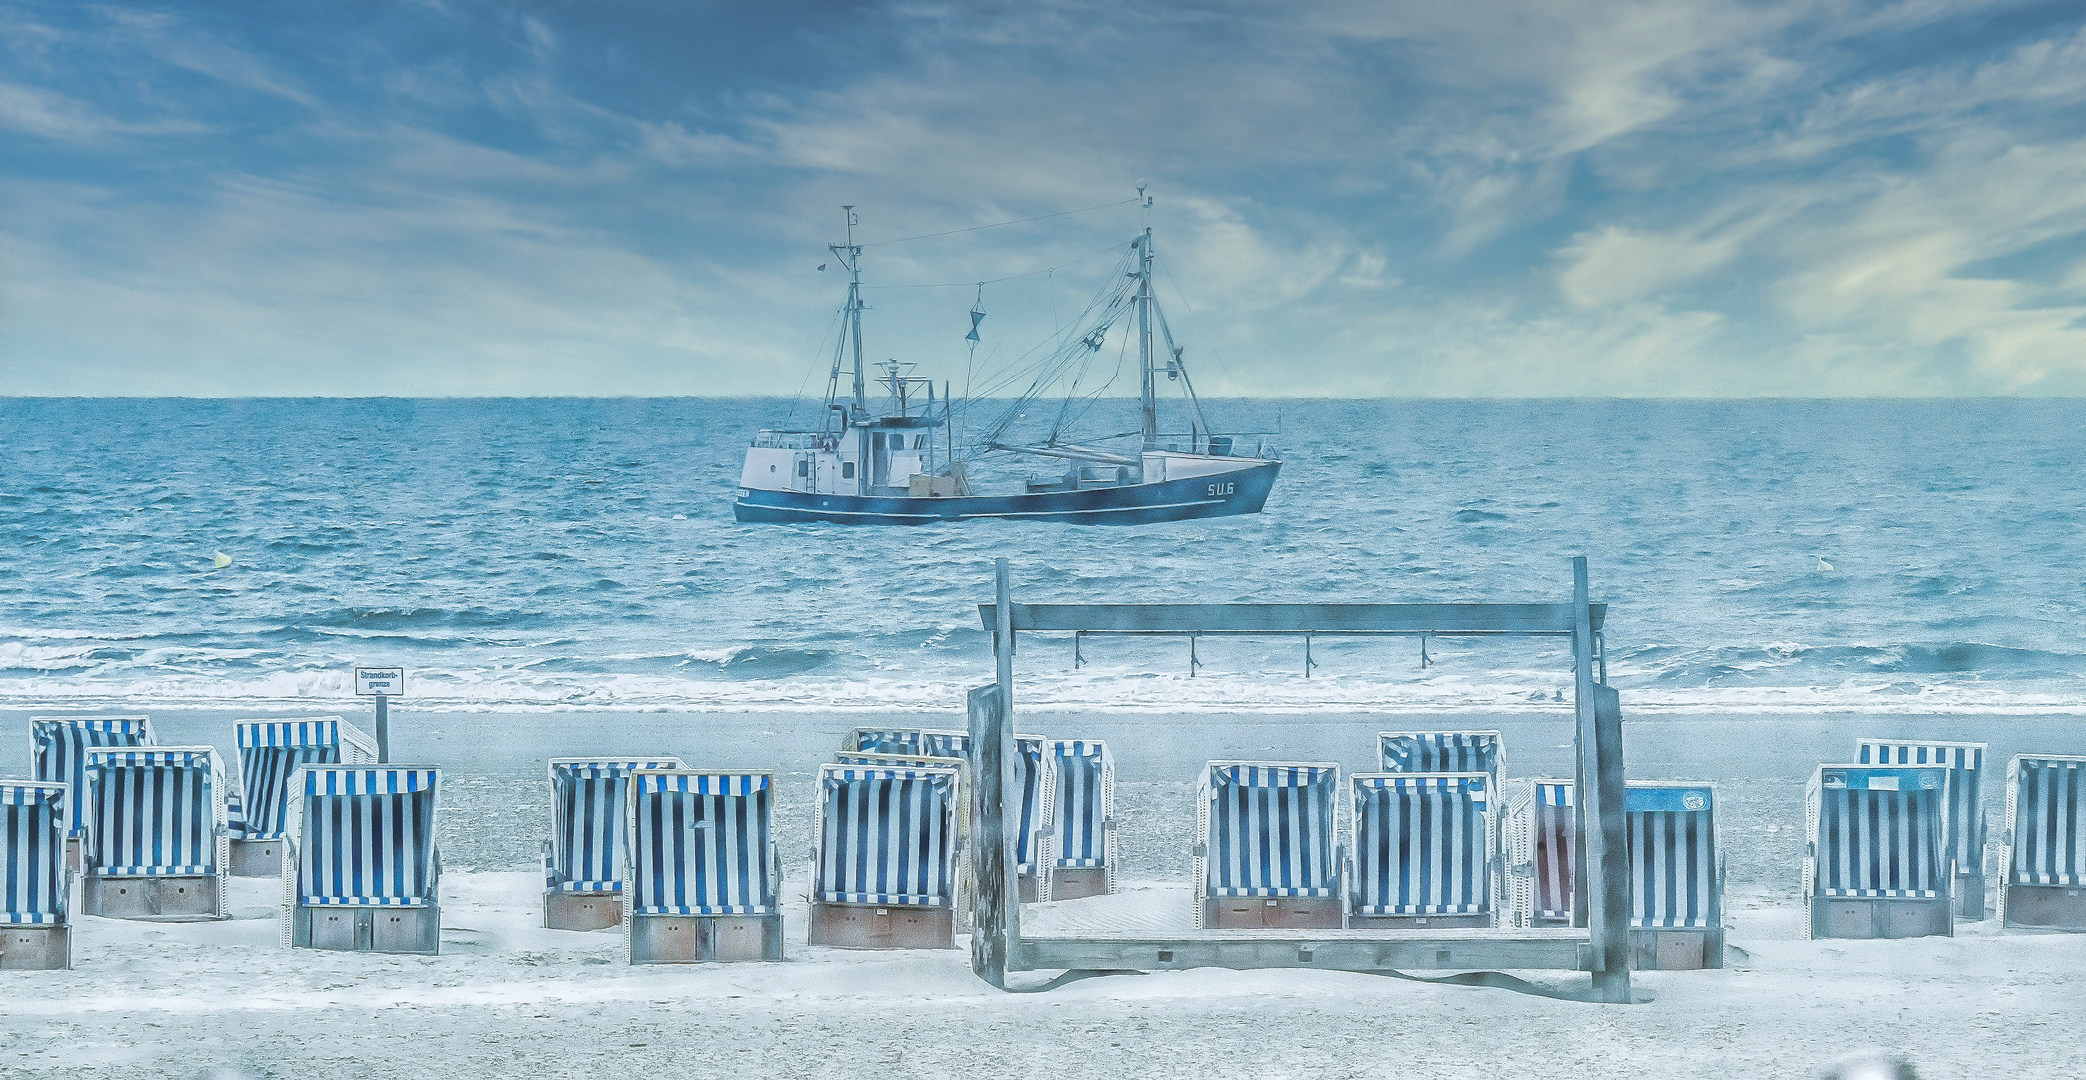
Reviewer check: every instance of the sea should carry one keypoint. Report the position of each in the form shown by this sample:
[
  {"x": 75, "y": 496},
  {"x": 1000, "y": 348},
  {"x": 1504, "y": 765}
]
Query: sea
[{"x": 519, "y": 555}]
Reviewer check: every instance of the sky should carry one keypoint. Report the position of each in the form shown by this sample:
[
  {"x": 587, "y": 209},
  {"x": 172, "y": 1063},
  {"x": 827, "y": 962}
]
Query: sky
[{"x": 1687, "y": 198}]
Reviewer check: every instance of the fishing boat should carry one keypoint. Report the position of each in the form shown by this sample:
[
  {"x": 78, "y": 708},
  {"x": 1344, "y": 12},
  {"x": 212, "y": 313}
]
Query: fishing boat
[{"x": 900, "y": 460}]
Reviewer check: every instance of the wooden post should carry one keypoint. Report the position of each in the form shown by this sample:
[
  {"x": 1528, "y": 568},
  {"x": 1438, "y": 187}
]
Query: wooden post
[
  {"x": 988, "y": 850},
  {"x": 1598, "y": 811},
  {"x": 1009, "y": 777},
  {"x": 383, "y": 731}
]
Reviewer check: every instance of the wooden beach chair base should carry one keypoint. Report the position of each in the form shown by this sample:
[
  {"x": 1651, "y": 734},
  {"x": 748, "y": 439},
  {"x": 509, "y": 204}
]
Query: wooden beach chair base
[
  {"x": 1970, "y": 897},
  {"x": 1881, "y": 917},
  {"x": 2045, "y": 907},
  {"x": 153, "y": 897},
  {"x": 1029, "y": 889},
  {"x": 1419, "y": 922},
  {"x": 704, "y": 939},
  {"x": 1271, "y": 913},
  {"x": 1676, "y": 949},
  {"x": 36, "y": 948},
  {"x": 581, "y": 911},
  {"x": 868, "y": 926},
  {"x": 415, "y": 930},
  {"x": 1075, "y": 883},
  {"x": 256, "y": 858}
]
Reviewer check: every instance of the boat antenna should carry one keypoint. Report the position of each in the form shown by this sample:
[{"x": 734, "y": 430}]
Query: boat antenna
[{"x": 850, "y": 254}]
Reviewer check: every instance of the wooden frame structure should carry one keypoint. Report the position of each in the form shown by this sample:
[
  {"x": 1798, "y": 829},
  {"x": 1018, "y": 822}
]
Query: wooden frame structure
[{"x": 1600, "y": 946}]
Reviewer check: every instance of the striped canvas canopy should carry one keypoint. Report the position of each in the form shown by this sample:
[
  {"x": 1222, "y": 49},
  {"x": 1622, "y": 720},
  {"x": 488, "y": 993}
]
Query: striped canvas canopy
[
  {"x": 865, "y": 757},
  {"x": 703, "y": 844},
  {"x": 2047, "y": 815},
  {"x": 587, "y": 827},
  {"x": 1964, "y": 829},
  {"x": 32, "y": 825},
  {"x": 154, "y": 812},
  {"x": 1032, "y": 766},
  {"x": 1423, "y": 844},
  {"x": 887, "y": 836},
  {"x": 946, "y": 743},
  {"x": 886, "y": 741},
  {"x": 270, "y": 751},
  {"x": 1673, "y": 854},
  {"x": 1270, "y": 830},
  {"x": 61, "y": 744},
  {"x": 1552, "y": 835},
  {"x": 1085, "y": 802},
  {"x": 367, "y": 836},
  {"x": 1877, "y": 831},
  {"x": 1442, "y": 752}
]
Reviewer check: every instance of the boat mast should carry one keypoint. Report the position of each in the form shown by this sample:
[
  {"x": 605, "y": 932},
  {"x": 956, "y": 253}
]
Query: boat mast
[
  {"x": 1148, "y": 392},
  {"x": 851, "y": 254}
]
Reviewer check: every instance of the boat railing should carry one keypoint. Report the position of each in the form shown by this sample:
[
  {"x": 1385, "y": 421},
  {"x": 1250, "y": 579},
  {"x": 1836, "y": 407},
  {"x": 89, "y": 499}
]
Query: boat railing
[{"x": 790, "y": 440}]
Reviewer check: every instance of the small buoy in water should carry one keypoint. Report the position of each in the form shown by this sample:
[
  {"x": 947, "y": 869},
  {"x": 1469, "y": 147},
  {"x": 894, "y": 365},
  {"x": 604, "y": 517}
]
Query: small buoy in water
[
  {"x": 1823, "y": 566},
  {"x": 220, "y": 560}
]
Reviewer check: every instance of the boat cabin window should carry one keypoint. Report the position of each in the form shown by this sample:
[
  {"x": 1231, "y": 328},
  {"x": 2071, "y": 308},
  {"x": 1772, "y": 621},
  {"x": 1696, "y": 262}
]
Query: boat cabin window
[
  {"x": 847, "y": 470},
  {"x": 804, "y": 467}
]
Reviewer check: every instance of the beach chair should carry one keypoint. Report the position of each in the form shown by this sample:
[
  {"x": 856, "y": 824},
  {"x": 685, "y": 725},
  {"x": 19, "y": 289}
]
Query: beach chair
[
  {"x": 1964, "y": 829},
  {"x": 1540, "y": 834},
  {"x": 1676, "y": 867},
  {"x": 59, "y": 746},
  {"x": 705, "y": 880},
  {"x": 41, "y": 890},
  {"x": 956, "y": 744},
  {"x": 362, "y": 873},
  {"x": 2042, "y": 855},
  {"x": 1034, "y": 772},
  {"x": 157, "y": 833},
  {"x": 1443, "y": 752},
  {"x": 269, "y": 752},
  {"x": 585, "y": 857},
  {"x": 1082, "y": 817},
  {"x": 884, "y": 741},
  {"x": 886, "y": 858},
  {"x": 1268, "y": 854},
  {"x": 1424, "y": 851},
  {"x": 1875, "y": 864}
]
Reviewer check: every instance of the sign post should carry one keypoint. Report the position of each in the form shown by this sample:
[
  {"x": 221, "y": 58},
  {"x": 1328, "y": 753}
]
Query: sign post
[{"x": 382, "y": 683}]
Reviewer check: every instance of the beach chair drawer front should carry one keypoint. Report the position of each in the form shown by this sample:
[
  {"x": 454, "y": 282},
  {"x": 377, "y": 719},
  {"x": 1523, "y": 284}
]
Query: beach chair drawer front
[
  {"x": 1963, "y": 825},
  {"x": 1443, "y": 752},
  {"x": 1083, "y": 819},
  {"x": 705, "y": 882},
  {"x": 1424, "y": 849},
  {"x": 36, "y": 925},
  {"x": 363, "y": 872},
  {"x": 2043, "y": 843},
  {"x": 157, "y": 832},
  {"x": 60, "y": 746},
  {"x": 1876, "y": 864},
  {"x": 887, "y": 839},
  {"x": 1269, "y": 851}
]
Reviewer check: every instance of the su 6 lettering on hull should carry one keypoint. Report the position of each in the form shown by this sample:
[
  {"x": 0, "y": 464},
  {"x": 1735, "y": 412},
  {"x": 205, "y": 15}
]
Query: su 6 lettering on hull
[{"x": 1222, "y": 489}]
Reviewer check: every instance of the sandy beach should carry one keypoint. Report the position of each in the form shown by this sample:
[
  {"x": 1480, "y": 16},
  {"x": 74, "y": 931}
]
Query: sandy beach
[{"x": 507, "y": 997}]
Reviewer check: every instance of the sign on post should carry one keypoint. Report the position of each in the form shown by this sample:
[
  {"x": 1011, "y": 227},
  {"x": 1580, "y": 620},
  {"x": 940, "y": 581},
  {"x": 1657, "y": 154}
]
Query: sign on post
[{"x": 382, "y": 683}]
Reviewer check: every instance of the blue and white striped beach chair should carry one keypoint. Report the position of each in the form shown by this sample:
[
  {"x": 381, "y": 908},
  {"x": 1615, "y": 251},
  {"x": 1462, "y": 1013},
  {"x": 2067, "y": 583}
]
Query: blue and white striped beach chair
[
  {"x": 1876, "y": 864},
  {"x": 1540, "y": 835},
  {"x": 887, "y": 857},
  {"x": 875, "y": 740},
  {"x": 1035, "y": 844},
  {"x": 1676, "y": 875},
  {"x": 1082, "y": 815},
  {"x": 705, "y": 880},
  {"x": 362, "y": 873},
  {"x": 584, "y": 859},
  {"x": 157, "y": 832},
  {"x": 1268, "y": 853},
  {"x": 2042, "y": 859},
  {"x": 41, "y": 891},
  {"x": 59, "y": 754},
  {"x": 1443, "y": 752},
  {"x": 269, "y": 751},
  {"x": 956, "y": 744},
  {"x": 1964, "y": 830},
  {"x": 1423, "y": 851}
]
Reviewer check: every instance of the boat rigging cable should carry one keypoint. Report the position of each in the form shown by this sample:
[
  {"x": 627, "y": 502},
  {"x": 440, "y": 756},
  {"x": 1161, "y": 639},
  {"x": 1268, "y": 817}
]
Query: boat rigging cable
[{"x": 997, "y": 224}]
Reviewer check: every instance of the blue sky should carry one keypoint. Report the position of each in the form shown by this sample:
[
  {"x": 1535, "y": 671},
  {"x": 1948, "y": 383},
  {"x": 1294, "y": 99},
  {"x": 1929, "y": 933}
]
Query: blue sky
[{"x": 1489, "y": 197}]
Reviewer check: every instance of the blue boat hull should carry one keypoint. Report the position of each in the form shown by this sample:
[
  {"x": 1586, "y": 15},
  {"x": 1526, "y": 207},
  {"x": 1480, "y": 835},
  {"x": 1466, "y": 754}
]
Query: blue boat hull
[{"x": 1242, "y": 491}]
